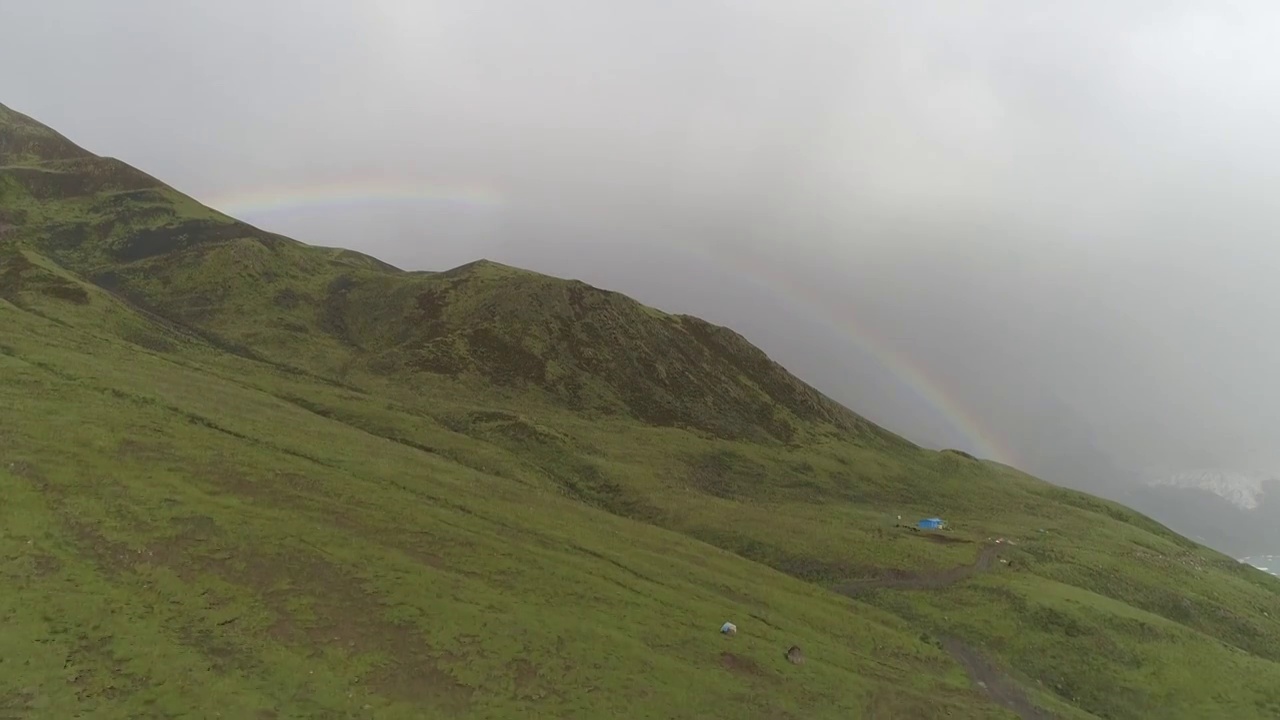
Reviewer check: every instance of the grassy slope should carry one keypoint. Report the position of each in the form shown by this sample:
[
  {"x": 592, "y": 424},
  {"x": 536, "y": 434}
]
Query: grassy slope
[
  {"x": 178, "y": 535},
  {"x": 313, "y": 485}
]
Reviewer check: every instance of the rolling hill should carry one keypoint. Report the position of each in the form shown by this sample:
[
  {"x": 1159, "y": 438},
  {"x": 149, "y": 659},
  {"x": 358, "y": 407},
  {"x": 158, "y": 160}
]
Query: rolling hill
[{"x": 247, "y": 477}]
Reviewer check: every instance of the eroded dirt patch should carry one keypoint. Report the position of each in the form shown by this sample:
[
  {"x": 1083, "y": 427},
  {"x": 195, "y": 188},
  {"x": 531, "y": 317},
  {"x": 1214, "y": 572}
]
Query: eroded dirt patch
[
  {"x": 925, "y": 579},
  {"x": 738, "y": 664},
  {"x": 44, "y": 565},
  {"x": 97, "y": 672},
  {"x": 318, "y": 603},
  {"x": 130, "y": 449},
  {"x": 16, "y": 704},
  {"x": 30, "y": 473},
  {"x": 285, "y": 489},
  {"x": 997, "y": 684},
  {"x": 525, "y": 676},
  {"x": 945, "y": 539}
]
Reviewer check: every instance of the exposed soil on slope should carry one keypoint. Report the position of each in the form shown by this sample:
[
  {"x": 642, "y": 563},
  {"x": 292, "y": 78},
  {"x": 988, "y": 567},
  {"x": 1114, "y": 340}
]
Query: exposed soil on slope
[
  {"x": 945, "y": 539},
  {"x": 924, "y": 580},
  {"x": 997, "y": 684}
]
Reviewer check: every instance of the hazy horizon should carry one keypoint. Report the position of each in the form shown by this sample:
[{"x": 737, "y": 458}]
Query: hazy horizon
[{"x": 1036, "y": 233}]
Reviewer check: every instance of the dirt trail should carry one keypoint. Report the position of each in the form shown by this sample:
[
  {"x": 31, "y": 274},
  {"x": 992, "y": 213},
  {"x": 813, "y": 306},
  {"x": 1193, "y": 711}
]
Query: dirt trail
[
  {"x": 926, "y": 579},
  {"x": 998, "y": 685},
  {"x": 1001, "y": 688}
]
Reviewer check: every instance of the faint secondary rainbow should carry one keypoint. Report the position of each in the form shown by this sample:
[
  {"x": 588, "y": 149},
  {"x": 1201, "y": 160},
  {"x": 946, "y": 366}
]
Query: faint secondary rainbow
[
  {"x": 479, "y": 196},
  {"x": 985, "y": 443},
  {"x": 327, "y": 196}
]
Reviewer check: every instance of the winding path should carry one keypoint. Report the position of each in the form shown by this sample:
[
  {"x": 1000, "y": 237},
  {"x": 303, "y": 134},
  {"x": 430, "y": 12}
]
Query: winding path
[
  {"x": 997, "y": 684},
  {"x": 925, "y": 579}
]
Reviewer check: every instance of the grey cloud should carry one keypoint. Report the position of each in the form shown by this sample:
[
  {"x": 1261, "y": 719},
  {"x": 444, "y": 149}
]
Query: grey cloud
[{"x": 1061, "y": 211}]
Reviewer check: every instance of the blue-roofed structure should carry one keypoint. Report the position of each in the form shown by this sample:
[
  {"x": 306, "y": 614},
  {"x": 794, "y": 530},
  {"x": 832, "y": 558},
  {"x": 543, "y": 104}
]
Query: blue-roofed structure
[{"x": 931, "y": 524}]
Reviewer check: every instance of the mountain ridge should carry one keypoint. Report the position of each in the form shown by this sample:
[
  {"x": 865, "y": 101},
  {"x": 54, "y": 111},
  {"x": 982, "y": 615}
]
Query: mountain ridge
[
  {"x": 1242, "y": 489},
  {"x": 25, "y": 137},
  {"x": 396, "y": 322}
]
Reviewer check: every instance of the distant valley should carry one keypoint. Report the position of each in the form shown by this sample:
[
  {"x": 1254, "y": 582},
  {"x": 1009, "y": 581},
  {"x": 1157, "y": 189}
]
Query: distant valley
[{"x": 1224, "y": 509}]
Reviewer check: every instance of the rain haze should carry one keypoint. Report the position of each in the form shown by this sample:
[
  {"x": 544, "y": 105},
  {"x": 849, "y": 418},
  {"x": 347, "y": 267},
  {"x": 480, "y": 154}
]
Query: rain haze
[{"x": 1040, "y": 232}]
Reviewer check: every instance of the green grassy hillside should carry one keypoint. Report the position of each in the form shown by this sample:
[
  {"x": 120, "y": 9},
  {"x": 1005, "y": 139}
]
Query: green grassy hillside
[{"x": 247, "y": 477}]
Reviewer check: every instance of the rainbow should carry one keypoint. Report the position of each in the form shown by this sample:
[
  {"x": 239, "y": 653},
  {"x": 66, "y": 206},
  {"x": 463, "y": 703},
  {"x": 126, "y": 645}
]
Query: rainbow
[
  {"x": 282, "y": 199},
  {"x": 274, "y": 200},
  {"x": 983, "y": 441}
]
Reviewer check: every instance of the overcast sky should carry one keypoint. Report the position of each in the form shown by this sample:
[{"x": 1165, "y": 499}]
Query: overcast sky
[{"x": 1062, "y": 213}]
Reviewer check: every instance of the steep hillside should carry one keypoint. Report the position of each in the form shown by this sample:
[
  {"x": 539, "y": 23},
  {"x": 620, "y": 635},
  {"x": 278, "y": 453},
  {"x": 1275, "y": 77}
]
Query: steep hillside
[
  {"x": 264, "y": 295},
  {"x": 178, "y": 538},
  {"x": 24, "y": 140},
  {"x": 250, "y": 474}
]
